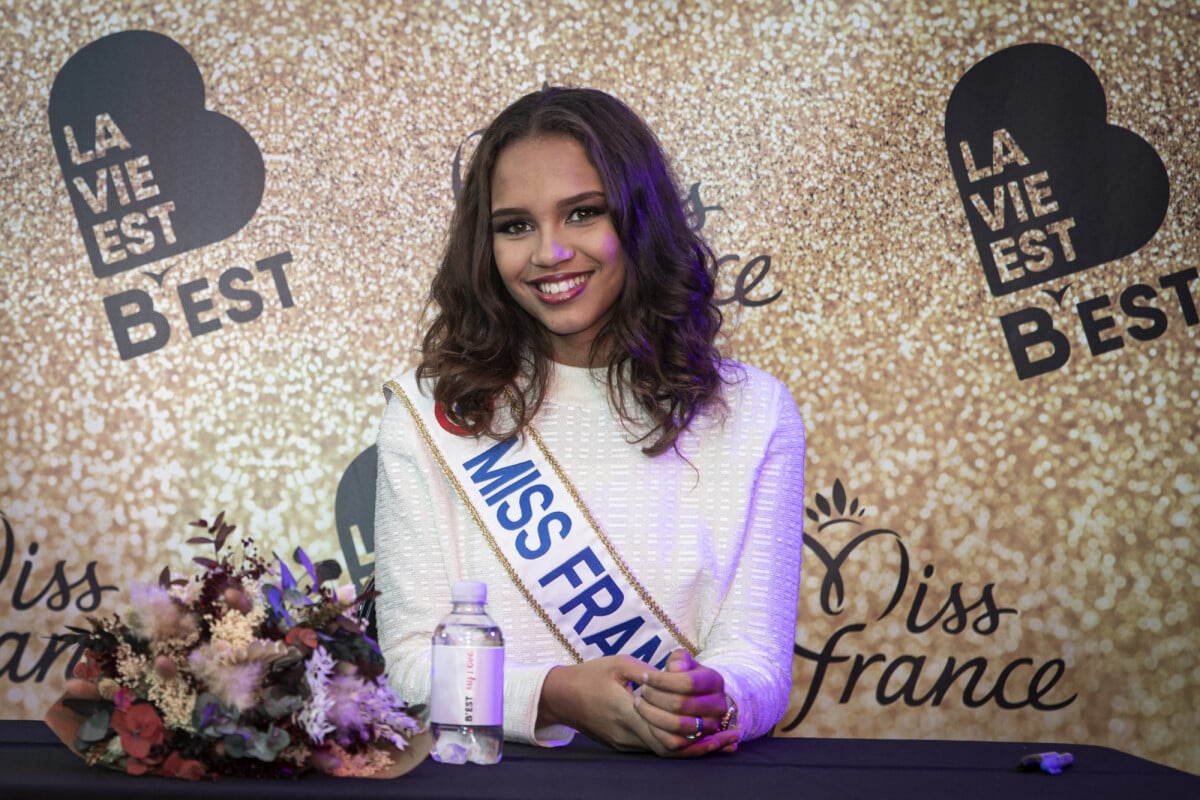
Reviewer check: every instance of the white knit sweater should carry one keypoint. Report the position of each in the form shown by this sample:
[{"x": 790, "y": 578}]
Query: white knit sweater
[{"x": 715, "y": 541}]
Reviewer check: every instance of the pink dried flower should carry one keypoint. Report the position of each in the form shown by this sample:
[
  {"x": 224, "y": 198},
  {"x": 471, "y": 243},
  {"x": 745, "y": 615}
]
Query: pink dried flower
[
  {"x": 235, "y": 683},
  {"x": 158, "y": 616},
  {"x": 234, "y": 674},
  {"x": 237, "y": 600},
  {"x": 123, "y": 698},
  {"x": 165, "y": 668},
  {"x": 348, "y": 707}
]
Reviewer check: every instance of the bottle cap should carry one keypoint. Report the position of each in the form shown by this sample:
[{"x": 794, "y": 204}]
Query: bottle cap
[{"x": 469, "y": 592}]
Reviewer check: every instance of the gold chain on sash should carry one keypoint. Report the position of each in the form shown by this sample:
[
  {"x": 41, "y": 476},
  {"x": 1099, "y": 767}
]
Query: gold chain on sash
[
  {"x": 620, "y": 562},
  {"x": 644, "y": 595},
  {"x": 487, "y": 534}
]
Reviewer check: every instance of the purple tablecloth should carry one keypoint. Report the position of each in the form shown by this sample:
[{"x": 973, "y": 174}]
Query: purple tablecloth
[{"x": 33, "y": 764}]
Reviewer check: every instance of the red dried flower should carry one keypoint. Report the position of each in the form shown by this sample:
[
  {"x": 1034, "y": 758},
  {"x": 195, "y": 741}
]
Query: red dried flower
[
  {"x": 88, "y": 669},
  {"x": 140, "y": 728},
  {"x": 300, "y": 635},
  {"x": 176, "y": 766},
  {"x": 135, "y": 766}
]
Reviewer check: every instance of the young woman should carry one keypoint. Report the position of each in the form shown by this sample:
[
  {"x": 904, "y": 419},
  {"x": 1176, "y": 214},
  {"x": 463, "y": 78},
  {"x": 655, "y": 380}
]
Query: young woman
[{"x": 573, "y": 438}]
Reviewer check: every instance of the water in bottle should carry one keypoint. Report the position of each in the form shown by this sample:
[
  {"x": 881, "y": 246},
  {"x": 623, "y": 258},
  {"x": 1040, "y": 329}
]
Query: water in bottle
[{"x": 466, "y": 707}]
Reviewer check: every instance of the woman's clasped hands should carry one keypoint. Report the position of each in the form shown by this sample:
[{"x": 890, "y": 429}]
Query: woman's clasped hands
[{"x": 622, "y": 702}]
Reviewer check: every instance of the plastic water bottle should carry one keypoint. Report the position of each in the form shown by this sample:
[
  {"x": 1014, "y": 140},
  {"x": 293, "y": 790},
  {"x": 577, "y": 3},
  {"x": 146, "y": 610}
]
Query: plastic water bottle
[{"x": 466, "y": 707}]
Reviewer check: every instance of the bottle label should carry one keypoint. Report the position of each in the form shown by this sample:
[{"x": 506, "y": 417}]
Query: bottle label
[{"x": 468, "y": 686}]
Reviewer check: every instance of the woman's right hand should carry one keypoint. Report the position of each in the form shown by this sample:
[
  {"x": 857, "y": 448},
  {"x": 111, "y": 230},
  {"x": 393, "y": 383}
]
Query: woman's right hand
[{"x": 597, "y": 699}]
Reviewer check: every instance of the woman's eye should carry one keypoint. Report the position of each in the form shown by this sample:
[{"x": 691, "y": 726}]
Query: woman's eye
[
  {"x": 512, "y": 227},
  {"x": 586, "y": 213}
]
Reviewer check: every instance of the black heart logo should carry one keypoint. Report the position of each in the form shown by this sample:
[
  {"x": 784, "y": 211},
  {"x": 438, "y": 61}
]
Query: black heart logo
[
  {"x": 1050, "y": 188},
  {"x": 354, "y": 515},
  {"x": 150, "y": 172}
]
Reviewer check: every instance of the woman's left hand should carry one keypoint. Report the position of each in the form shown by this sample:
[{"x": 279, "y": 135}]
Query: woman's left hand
[{"x": 684, "y": 703}]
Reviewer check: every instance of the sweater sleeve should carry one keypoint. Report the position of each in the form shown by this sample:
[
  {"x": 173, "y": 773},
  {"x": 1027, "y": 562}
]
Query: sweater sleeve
[
  {"x": 418, "y": 555},
  {"x": 751, "y": 641}
]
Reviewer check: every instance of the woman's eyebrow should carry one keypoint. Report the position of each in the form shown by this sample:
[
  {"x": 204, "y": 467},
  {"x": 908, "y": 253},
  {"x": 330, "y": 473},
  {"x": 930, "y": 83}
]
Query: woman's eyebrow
[
  {"x": 582, "y": 197},
  {"x": 508, "y": 212},
  {"x": 566, "y": 201}
]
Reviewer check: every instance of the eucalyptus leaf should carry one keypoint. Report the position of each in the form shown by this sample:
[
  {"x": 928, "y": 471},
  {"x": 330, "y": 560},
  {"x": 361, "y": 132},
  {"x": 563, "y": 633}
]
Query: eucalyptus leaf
[
  {"x": 235, "y": 745},
  {"x": 96, "y": 727},
  {"x": 265, "y": 746},
  {"x": 277, "y": 707}
]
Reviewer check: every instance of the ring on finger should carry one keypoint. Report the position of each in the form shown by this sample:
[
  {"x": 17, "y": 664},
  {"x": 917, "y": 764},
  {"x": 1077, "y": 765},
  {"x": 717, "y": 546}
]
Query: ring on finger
[{"x": 696, "y": 734}]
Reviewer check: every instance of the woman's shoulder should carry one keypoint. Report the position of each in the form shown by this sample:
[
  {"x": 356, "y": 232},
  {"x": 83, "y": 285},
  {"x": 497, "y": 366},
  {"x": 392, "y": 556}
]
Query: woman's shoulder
[
  {"x": 405, "y": 380},
  {"x": 753, "y": 396},
  {"x": 744, "y": 381},
  {"x": 400, "y": 392}
]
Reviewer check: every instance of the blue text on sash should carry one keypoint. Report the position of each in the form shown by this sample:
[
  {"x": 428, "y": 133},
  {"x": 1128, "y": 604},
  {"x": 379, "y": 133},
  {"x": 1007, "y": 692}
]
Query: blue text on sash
[{"x": 516, "y": 496}]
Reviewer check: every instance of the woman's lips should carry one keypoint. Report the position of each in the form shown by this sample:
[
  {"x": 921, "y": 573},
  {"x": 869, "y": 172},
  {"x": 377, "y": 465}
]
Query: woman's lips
[{"x": 560, "y": 288}]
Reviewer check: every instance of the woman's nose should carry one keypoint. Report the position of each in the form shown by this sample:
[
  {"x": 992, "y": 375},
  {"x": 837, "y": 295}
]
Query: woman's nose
[{"x": 551, "y": 250}]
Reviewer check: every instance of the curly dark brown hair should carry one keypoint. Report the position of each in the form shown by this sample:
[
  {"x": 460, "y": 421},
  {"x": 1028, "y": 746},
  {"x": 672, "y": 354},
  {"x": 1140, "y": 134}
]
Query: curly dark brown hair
[{"x": 659, "y": 343}]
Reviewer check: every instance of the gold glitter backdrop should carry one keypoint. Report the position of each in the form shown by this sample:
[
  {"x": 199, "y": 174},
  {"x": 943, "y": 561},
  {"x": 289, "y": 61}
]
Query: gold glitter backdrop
[{"x": 1031, "y": 570}]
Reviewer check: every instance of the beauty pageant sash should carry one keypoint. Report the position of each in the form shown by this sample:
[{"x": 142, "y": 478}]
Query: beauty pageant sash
[{"x": 545, "y": 538}]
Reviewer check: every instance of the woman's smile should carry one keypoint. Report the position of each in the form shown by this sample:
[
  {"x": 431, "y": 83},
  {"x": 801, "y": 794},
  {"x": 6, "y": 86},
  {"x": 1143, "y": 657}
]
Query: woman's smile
[{"x": 561, "y": 289}]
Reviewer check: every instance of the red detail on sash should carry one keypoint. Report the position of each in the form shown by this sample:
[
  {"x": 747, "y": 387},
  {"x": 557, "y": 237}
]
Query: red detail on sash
[{"x": 440, "y": 414}]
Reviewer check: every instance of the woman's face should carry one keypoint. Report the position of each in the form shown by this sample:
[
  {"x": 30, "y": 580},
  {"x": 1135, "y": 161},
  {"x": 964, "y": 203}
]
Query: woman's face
[{"x": 555, "y": 246}]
